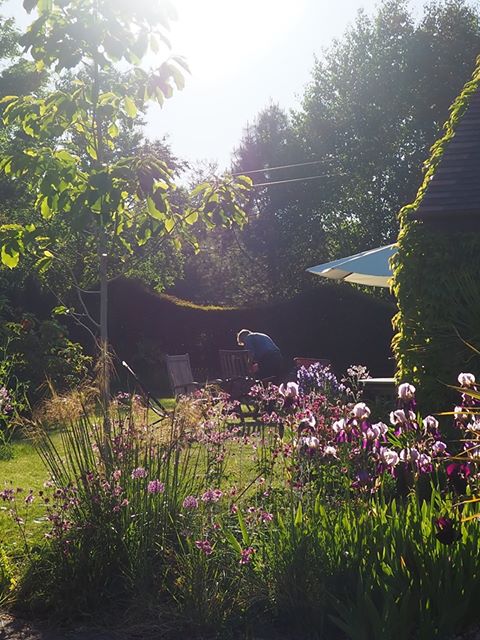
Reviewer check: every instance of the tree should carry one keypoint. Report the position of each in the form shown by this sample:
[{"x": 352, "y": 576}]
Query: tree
[
  {"x": 375, "y": 103},
  {"x": 115, "y": 204}
]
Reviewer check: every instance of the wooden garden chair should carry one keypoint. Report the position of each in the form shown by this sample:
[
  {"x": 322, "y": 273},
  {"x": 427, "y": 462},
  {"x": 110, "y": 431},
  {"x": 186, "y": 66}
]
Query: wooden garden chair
[
  {"x": 234, "y": 363},
  {"x": 180, "y": 374},
  {"x": 237, "y": 381},
  {"x": 181, "y": 377}
]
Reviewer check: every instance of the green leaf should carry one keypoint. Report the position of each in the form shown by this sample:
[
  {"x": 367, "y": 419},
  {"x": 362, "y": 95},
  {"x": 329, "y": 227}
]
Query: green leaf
[
  {"x": 154, "y": 43},
  {"x": 192, "y": 217},
  {"x": 66, "y": 156},
  {"x": 45, "y": 209},
  {"x": 153, "y": 211},
  {"x": 244, "y": 180},
  {"x": 44, "y": 6},
  {"x": 299, "y": 515},
  {"x": 10, "y": 256},
  {"x": 8, "y": 99},
  {"x": 234, "y": 543},
  {"x": 130, "y": 107},
  {"x": 113, "y": 130},
  {"x": 43, "y": 264},
  {"x": 92, "y": 152},
  {"x": 60, "y": 311},
  {"x": 177, "y": 77},
  {"x": 200, "y": 188},
  {"x": 243, "y": 529},
  {"x": 169, "y": 224}
]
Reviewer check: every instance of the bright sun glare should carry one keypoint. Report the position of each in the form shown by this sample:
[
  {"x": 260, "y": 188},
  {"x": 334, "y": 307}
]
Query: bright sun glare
[{"x": 215, "y": 35}]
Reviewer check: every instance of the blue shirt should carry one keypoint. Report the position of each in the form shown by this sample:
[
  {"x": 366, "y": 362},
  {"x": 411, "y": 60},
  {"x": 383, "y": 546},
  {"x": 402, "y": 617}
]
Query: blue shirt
[{"x": 259, "y": 344}]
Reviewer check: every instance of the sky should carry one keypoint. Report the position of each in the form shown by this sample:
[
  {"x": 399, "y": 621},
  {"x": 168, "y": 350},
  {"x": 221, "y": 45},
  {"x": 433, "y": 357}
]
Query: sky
[{"x": 242, "y": 56}]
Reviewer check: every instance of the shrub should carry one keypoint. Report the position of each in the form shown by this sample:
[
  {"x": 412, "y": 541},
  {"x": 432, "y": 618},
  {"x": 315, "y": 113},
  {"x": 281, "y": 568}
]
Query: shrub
[{"x": 7, "y": 579}]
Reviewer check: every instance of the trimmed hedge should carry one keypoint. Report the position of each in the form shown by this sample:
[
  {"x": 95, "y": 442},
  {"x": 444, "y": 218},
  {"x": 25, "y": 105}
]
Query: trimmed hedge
[{"x": 333, "y": 321}]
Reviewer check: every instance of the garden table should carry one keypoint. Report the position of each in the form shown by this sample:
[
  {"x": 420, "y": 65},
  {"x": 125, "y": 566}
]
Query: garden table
[{"x": 379, "y": 388}]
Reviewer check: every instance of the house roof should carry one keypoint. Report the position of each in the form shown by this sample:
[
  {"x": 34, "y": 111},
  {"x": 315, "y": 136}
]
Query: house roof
[{"x": 450, "y": 194}]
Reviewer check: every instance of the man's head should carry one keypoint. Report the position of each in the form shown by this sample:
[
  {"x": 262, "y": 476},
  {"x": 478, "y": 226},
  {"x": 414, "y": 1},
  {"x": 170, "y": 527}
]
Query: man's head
[{"x": 241, "y": 335}]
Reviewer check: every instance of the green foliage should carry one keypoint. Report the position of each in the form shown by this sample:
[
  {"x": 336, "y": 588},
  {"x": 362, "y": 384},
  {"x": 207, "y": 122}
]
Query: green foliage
[
  {"x": 41, "y": 353},
  {"x": 437, "y": 288},
  {"x": 87, "y": 193},
  {"x": 7, "y": 579},
  {"x": 13, "y": 400},
  {"x": 376, "y": 100}
]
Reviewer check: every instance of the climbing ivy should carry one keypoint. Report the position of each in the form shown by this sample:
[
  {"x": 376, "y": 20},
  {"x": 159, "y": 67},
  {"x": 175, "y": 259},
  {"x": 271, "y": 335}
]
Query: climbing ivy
[{"x": 437, "y": 287}]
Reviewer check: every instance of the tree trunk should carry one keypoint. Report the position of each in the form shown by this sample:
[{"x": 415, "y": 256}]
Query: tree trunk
[{"x": 104, "y": 350}]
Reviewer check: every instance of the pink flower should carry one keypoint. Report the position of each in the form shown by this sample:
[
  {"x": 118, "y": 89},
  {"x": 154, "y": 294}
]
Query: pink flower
[
  {"x": 430, "y": 424},
  {"x": 439, "y": 448},
  {"x": 330, "y": 451},
  {"x": 212, "y": 495},
  {"x": 311, "y": 442},
  {"x": 139, "y": 472},
  {"x": 409, "y": 454},
  {"x": 246, "y": 555},
  {"x": 155, "y": 486},
  {"x": 205, "y": 546},
  {"x": 400, "y": 417},
  {"x": 190, "y": 502}
]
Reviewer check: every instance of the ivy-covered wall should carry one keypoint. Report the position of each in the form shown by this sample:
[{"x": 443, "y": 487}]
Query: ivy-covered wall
[{"x": 437, "y": 286}]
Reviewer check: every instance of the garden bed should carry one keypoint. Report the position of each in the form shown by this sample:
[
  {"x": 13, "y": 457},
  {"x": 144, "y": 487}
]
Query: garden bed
[{"x": 324, "y": 523}]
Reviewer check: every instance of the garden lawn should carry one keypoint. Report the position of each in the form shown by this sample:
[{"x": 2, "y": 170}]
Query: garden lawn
[{"x": 27, "y": 471}]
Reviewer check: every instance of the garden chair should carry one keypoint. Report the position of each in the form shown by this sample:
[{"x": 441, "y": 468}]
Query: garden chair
[
  {"x": 234, "y": 363},
  {"x": 181, "y": 377},
  {"x": 237, "y": 382},
  {"x": 152, "y": 402},
  {"x": 180, "y": 374}
]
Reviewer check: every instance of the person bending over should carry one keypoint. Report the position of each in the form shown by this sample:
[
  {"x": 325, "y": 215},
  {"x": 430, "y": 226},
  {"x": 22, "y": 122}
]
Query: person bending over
[{"x": 264, "y": 353}]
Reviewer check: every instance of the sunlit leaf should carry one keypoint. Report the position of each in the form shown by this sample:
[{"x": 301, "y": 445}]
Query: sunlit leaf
[
  {"x": 45, "y": 209},
  {"x": 44, "y": 6},
  {"x": 192, "y": 217},
  {"x": 92, "y": 152},
  {"x": 8, "y": 99},
  {"x": 130, "y": 107},
  {"x": 153, "y": 211},
  {"x": 113, "y": 130},
  {"x": 60, "y": 311},
  {"x": 9, "y": 257}
]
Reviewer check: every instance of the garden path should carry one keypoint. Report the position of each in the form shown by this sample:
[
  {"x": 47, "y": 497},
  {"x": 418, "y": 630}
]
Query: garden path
[{"x": 12, "y": 628}]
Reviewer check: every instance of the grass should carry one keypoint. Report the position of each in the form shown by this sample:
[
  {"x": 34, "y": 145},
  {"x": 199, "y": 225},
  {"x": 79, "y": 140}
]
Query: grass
[{"x": 26, "y": 470}]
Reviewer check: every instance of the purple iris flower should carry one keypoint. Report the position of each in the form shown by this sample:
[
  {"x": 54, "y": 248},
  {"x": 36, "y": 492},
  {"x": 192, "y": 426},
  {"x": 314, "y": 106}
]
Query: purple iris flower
[{"x": 446, "y": 532}]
